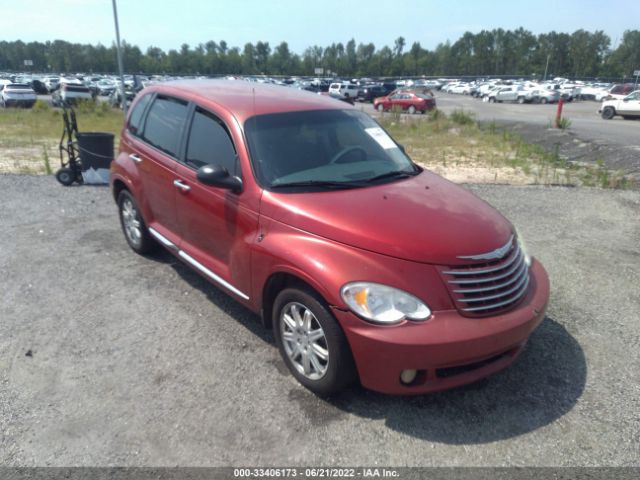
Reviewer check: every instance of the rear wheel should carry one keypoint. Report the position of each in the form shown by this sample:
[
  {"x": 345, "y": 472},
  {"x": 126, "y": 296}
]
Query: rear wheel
[
  {"x": 311, "y": 342},
  {"x": 608, "y": 113},
  {"x": 543, "y": 100},
  {"x": 411, "y": 109},
  {"x": 380, "y": 108},
  {"x": 133, "y": 226},
  {"x": 492, "y": 99},
  {"x": 520, "y": 100}
]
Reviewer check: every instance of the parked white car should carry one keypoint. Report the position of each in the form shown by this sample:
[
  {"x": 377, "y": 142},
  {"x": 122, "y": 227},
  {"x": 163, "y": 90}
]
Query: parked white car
[
  {"x": 343, "y": 90},
  {"x": 628, "y": 107},
  {"x": 69, "y": 93},
  {"x": 461, "y": 88},
  {"x": 17, "y": 95},
  {"x": 52, "y": 83}
]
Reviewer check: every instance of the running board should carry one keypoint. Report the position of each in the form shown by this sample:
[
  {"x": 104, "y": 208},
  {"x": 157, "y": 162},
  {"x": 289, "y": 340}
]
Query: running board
[{"x": 192, "y": 261}]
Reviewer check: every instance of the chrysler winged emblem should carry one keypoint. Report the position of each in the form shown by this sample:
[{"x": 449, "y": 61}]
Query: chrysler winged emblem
[{"x": 493, "y": 255}]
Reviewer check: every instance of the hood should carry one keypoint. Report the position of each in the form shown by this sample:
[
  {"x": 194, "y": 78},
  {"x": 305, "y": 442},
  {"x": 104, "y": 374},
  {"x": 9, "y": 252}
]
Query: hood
[{"x": 423, "y": 218}]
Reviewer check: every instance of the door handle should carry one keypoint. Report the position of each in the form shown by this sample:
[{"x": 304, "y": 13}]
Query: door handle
[
  {"x": 135, "y": 158},
  {"x": 182, "y": 186}
]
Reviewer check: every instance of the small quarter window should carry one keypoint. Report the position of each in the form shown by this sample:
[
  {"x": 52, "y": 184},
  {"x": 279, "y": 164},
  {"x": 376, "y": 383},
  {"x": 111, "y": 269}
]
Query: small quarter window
[{"x": 135, "y": 118}]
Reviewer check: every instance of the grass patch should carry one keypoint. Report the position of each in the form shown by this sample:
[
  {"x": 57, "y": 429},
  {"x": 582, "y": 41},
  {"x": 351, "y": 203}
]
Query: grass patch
[
  {"x": 465, "y": 150},
  {"x": 30, "y": 135},
  {"x": 456, "y": 146}
]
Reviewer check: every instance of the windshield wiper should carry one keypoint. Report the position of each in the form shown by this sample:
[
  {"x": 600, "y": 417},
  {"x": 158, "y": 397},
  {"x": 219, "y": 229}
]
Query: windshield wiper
[
  {"x": 394, "y": 174},
  {"x": 319, "y": 183}
]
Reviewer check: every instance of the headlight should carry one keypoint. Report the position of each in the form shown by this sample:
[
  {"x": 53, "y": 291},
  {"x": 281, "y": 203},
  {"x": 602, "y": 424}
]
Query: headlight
[
  {"x": 383, "y": 304},
  {"x": 523, "y": 247}
]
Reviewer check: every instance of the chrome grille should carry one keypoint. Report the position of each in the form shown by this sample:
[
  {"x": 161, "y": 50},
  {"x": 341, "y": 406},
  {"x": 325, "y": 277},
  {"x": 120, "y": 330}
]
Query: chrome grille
[{"x": 491, "y": 287}]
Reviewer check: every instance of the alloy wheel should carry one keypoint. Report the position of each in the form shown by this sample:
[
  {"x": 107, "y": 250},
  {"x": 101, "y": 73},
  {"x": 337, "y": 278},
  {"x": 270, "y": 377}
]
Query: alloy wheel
[{"x": 304, "y": 341}]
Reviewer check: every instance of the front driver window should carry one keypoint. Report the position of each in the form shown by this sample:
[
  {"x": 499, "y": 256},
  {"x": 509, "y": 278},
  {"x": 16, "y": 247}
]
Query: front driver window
[{"x": 210, "y": 143}]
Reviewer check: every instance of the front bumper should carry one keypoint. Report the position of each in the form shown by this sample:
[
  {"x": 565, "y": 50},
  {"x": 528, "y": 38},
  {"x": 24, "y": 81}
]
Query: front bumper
[{"x": 448, "y": 350}]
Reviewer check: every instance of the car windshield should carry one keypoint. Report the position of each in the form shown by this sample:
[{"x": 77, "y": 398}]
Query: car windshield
[{"x": 322, "y": 149}]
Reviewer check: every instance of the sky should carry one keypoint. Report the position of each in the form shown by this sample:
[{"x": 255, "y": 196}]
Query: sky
[{"x": 302, "y": 23}]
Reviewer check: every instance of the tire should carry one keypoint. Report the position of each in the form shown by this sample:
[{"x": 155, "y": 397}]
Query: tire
[
  {"x": 492, "y": 99},
  {"x": 608, "y": 113},
  {"x": 544, "y": 100},
  {"x": 411, "y": 110},
  {"x": 296, "y": 312},
  {"x": 66, "y": 176},
  {"x": 520, "y": 100},
  {"x": 133, "y": 226},
  {"x": 380, "y": 108}
]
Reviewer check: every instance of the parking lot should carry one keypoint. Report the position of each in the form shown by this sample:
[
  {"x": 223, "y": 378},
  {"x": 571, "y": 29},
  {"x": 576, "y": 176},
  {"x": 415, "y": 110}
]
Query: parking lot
[
  {"x": 589, "y": 138},
  {"x": 109, "y": 358}
]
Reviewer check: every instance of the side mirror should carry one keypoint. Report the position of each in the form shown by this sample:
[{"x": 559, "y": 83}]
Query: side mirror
[{"x": 218, "y": 176}]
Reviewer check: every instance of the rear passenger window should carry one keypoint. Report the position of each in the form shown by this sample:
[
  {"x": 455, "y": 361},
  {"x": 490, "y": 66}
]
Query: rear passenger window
[
  {"x": 210, "y": 143},
  {"x": 164, "y": 124},
  {"x": 136, "y": 114}
]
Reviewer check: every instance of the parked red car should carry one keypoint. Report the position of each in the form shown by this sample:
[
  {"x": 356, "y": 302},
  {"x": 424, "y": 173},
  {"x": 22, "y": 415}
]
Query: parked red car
[
  {"x": 307, "y": 212},
  {"x": 409, "y": 102}
]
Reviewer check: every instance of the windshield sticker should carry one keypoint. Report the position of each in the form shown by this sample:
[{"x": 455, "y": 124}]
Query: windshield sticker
[{"x": 381, "y": 137}]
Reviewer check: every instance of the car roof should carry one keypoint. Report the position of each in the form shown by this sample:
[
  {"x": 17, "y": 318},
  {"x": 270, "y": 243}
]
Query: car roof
[{"x": 246, "y": 99}]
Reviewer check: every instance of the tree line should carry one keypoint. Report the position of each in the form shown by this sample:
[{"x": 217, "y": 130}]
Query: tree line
[{"x": 581, "y": 54}]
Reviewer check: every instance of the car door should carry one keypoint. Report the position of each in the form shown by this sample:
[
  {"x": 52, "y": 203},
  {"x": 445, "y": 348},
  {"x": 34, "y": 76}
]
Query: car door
[
  {"x": 509, "y": 94},
  {"x": 216, "y": 226},
  {"x": 405, "y": 101},
  {"x": 155, "y": 152},
  {"x": 395, "y": 100}
]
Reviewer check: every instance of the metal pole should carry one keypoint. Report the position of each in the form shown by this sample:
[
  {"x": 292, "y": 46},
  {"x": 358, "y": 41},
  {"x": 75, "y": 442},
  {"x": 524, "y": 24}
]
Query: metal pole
[
  {"x": 120, "y": 67},
  {"x": 545, "y": 67}
]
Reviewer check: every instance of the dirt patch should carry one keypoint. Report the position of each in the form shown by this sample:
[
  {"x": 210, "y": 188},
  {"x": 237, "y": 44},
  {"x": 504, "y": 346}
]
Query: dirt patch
[
  {"x": 568, "y": 146},
  {"x": 28, "y": 159}
]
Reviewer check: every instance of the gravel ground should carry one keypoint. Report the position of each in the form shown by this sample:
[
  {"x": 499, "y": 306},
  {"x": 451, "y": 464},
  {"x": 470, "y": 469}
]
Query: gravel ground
[{"x": 108, "y": 358}]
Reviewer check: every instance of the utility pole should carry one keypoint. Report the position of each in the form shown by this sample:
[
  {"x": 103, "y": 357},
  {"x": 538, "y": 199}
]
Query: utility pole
[
  {"x": 120, "y": 67},
  {"x": 546, "y": 67}
]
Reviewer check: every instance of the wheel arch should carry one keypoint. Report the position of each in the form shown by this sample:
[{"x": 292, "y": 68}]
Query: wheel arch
[
  {"x": 277, "y": 282},
  {"x": 118, "y": 186}
]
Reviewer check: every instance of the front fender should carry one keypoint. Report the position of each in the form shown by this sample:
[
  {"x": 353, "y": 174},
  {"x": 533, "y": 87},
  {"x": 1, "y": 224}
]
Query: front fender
[{"x": 327, "y": 266}]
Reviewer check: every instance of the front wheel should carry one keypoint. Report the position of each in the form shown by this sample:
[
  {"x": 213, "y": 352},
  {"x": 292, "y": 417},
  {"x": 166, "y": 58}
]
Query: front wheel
[
  {"x": 411, "y": 109},
  {"x": 312, "y": 344},
  {"x": 543, "y": 100},
  {"x": 492, "y": 99},
  {"x": 520, "y": 100},
  {"x": 608, "y": 113},
  {"x": 380, "y": 108}
]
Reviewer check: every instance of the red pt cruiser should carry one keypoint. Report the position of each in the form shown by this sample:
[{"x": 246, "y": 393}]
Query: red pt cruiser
[{"x": 306, "y": 211}]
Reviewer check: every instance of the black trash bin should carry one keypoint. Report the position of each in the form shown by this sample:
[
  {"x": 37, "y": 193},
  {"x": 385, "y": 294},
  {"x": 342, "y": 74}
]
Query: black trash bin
[{"x": 96, "y": 154}]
